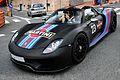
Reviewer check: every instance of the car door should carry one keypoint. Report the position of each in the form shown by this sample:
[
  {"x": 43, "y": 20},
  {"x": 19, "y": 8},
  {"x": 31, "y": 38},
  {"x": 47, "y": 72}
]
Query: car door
[{"x": 95, "y": 21}]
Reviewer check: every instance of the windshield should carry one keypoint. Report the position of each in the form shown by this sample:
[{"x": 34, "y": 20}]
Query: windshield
[
  {"x": 37, "y": 5},
  {"x": 66, "y": 16}
]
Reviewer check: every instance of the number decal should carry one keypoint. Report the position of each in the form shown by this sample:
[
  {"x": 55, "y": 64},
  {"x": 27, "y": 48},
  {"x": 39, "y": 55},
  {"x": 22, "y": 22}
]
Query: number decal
[{"x": 93, "y": 27}]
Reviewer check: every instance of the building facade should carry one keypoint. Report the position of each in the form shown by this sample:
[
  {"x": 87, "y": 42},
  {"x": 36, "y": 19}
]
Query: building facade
[{"x": 51, "y": 4}]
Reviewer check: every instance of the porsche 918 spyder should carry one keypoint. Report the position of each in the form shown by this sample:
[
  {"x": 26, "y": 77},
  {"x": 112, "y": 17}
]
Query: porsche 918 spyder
[{"x": 54, "y": 45}]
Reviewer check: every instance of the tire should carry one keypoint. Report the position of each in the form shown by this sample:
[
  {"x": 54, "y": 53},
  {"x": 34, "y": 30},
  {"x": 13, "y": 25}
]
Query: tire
[
  {"x": 31, "y": 15},
  {"x": 80, "y": 48},
  {"x": 113, "y": 24}
]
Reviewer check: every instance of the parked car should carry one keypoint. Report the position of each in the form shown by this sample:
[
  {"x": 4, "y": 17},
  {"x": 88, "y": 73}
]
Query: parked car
[{"x": 36, "y": 9}]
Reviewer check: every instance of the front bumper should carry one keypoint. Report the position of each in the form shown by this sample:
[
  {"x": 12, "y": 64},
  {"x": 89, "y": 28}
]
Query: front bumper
[
  {"x": 37, "y": 62},
  {"x": 38, "y": 12}
]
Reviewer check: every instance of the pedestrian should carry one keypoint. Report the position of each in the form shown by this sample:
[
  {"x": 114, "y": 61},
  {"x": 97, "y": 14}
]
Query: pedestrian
[{"x": 99, "y": 2}]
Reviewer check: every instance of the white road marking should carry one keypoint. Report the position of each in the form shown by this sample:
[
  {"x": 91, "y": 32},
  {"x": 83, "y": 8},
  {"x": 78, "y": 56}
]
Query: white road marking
[
  {"x": 16, "y": 20},
  {"x": 28, "y": 22},
  {"x": 118, "y": 13},
  {"x": 26, "y": 19},
  {"x": 36, "y": 17},
  {"x": 116, "y": 9},
  {"x": 14, "y": 31},
  {"x": 1, "y": 35},
  {"x": 7, "y": 22}
]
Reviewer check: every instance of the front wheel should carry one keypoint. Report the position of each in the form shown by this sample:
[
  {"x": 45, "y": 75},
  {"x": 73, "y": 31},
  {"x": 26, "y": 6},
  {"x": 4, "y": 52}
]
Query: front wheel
[
  {"x": 31, "y": 15},
  {"x": 80, "y": 47}
]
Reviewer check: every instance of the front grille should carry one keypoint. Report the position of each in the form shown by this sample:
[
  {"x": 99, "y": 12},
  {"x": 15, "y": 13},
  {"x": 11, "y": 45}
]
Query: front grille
[{"x": 42, "y": 64}]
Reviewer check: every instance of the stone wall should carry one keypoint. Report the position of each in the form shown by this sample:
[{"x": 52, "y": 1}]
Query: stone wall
[
  {"x": 76, "y": 2},
  {"x": 54, "y": 4}
]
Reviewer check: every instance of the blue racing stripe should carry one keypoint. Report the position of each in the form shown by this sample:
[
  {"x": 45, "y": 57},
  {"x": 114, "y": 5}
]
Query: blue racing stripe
[
  {"x": 33, "y": 43},
  {"x": 30, "y": 42},
  {"x": 104, "y": 12},
  {"x": 23, "y": 41},
  {"x": 27, "y": 37}
]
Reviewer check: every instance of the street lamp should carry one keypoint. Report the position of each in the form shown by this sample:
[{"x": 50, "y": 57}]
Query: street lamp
[
  {"x": 47, "y": 5},
  {"x": 10, "y": 6}
]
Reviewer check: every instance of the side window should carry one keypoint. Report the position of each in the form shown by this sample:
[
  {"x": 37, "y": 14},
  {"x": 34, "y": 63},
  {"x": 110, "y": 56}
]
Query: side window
[
  {"x": 78, "y": 17},
  {"x": 89, "y": 13},
  {"x": 41, "y": 5}
]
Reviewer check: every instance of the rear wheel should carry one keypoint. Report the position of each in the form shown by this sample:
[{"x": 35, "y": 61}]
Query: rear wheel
[
  {"x": 80, "y": 48},
  {"x": 43, "y": 14},
  {"x": 113, "y": 24}
]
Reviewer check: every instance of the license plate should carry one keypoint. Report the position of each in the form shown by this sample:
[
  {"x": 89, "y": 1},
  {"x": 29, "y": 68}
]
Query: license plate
[
  {"x": 39, "y": 12},
  {"x": 17, "y": 58}
]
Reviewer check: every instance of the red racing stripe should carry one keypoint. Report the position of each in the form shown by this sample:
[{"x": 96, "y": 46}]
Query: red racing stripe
[
  {"x": 25, "y": 44},
  {"x": 108, "y": 13},
  {"x": 45, "y": 28}
]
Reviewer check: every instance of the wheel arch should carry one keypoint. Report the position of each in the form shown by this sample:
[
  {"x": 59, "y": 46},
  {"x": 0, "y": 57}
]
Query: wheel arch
[{"x": 84, "y": 34}]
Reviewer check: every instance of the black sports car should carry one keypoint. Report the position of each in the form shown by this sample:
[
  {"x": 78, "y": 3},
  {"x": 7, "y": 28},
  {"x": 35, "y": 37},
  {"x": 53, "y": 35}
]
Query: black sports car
[{"x": 54, "y": 45}]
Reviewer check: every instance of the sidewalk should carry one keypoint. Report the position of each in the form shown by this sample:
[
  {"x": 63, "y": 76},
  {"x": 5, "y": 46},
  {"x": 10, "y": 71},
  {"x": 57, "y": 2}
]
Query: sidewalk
[
  {"x": 90, "y": 3},
  {"x": 18, "y": 8}
]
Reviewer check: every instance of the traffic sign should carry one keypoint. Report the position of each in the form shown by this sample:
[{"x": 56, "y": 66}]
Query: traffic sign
[{"x": 10, "y": 5}]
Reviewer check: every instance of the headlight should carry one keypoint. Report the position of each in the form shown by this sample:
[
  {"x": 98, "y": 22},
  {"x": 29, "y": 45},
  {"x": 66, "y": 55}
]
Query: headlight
[
  {"x": 14, "y": 36},
  {"x": 53, "y": 46}
]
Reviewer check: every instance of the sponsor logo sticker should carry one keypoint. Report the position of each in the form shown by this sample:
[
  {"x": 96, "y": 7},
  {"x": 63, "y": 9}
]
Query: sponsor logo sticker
[
  {"x": 93, "y": 28},
  {"x": 40, "y": 33}
]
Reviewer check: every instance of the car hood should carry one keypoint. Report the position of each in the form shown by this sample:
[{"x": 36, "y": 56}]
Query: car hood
[{"x": 43, "y": 34}]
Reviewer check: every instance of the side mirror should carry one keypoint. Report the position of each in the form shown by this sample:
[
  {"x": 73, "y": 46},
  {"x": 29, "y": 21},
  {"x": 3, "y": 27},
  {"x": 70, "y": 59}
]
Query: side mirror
[{"x": 44, "y": 19}]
